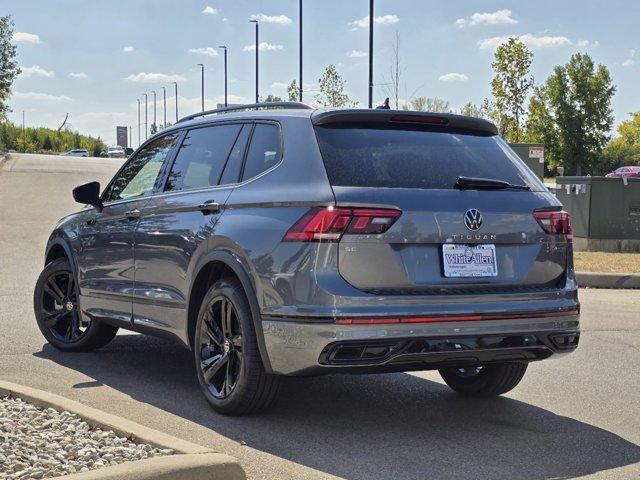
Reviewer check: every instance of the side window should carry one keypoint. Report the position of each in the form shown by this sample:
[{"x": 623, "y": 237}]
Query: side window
[
  {"x": 139, "y": 175},
  {"x": 201, "y": 157},
  {"x": 264, "y": 151},
  {"x": 232, "y": 169}
]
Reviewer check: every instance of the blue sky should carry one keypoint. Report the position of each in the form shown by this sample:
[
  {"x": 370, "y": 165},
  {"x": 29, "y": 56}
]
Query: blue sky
[{"x": 94, "y": 59}]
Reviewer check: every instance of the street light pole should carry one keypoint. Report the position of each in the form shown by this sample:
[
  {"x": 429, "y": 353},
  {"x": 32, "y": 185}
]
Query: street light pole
[
  {"x": 300, "y": 49},
  {"x": 138, "y": 122},
  {"x": 225, "y": 73},
  {"x": 370, "y": 53},
  {"x": 176, "y": 85},
  {"x": 146, "y": 116},
  {"x": 164, "y": 107},
  {"x": 155, "y": 125},
  {"x": 257, "y": 56},
  {"x": 201, "y": 65}
]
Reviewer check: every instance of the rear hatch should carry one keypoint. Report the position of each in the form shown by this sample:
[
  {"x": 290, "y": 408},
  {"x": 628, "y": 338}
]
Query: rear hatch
[{"x": 439, "y": 234}]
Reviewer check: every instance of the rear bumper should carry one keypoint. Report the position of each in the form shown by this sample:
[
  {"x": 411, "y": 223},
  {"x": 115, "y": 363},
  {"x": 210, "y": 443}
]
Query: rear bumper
[{"x": 308, "y": 347}]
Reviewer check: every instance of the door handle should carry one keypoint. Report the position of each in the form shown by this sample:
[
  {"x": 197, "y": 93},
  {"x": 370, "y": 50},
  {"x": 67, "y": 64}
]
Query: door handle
[
  {"x": 132, "y": 214},
  {"x": 209, "y": 206}
]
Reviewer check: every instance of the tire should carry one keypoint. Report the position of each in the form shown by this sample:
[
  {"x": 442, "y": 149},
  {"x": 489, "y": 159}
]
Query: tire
[
  {"x": 485, "y": 381},
  {"x": 226, "y": 353},
  {"x": 55, "y": 304}
]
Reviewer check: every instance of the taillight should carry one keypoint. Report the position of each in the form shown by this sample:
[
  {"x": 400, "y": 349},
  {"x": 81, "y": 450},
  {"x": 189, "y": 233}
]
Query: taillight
[
  {"x": 330, "y": 223},
  {"x": 555, "y": 222}
]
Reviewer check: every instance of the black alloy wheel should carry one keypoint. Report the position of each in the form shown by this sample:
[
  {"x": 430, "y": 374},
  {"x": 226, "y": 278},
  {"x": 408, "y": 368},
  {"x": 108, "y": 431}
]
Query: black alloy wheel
[
  {"x": 220, "y": 347},
  {"x": 59, "y": 307}
]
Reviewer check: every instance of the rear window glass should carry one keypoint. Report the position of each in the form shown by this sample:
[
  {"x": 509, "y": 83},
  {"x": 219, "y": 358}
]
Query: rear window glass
[{"x": 417, "y": 158}]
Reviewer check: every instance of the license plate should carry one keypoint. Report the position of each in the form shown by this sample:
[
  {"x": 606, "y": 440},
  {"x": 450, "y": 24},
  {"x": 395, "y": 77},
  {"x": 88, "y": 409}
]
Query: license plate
[{"x": 469, "y": 260}]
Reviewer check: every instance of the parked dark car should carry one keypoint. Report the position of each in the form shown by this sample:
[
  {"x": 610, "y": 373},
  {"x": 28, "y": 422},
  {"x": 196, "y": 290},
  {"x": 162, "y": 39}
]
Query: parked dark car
[
  {"x": 294, "y": 241},
  {"x": 630, "y": 171}
]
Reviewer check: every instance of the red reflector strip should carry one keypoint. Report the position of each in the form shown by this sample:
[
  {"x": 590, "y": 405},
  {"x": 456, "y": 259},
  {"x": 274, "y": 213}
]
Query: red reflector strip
[
  {"x": 429, "y": 120},
  {"x": 451, "y": 318}
]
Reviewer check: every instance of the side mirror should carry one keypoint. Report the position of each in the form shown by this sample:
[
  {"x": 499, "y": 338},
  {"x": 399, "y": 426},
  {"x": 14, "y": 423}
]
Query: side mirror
[{"x": 88, "y": 194}]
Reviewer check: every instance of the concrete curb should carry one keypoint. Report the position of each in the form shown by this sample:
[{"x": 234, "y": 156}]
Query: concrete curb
[
  {"x": 607, "y": 280},
  {"x": 192, "y": 461}
]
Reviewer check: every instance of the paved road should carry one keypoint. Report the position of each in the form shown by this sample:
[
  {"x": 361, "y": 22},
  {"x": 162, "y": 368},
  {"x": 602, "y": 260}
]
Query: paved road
[{"x": 572, "y": 417}]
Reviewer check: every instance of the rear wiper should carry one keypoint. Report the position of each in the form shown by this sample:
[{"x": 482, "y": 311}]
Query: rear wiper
[{"x": 469, "y": 183}]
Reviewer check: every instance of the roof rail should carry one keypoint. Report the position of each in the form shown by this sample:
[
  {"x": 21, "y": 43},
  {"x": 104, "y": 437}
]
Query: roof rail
[{"x": 249, "y": 106}]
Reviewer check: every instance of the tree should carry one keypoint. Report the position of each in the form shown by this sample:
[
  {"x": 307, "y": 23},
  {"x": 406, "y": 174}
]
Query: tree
[
  {"x": 9, "y": 69},
  {"x": 572, "y": 114},
  {"x": 510, "y": 87},
  {"x": 272, "y": 98},
  {"x": 153, "y": 129},
  {"x": 625, "y": 148},
  {"x": 392, "y": 87},
  {"x": 332, "y": 93},
  {"x": 471, "y": 110},
  {"x": 293, "y": 91},
  {"x": 423, "y": 104}
]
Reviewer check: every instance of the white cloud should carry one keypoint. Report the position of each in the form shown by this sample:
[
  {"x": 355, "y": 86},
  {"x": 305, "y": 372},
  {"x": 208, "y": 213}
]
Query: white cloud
[
  {"x": 383, "y": 20},
  {"x": 36, "y": 71},
  {"x": 499, "y": 17},
  {"x": 128, "y": 49},
  {"x": 143, "y": 77},
  {"x": 264, "y": 47},
  {"x": 279, "y": 19},
  {"x": 629, "y": 62},
  {"x": 280, "y": 85},
  {"x": 225, "y": 19},
  {"x": 529, "y": 40},
  {"x": 207, "y": 51},
  {"x": 357, "y": 54},
  {"x": 453, "y": 77},
  {"x": 25, "y": 37},
  {"x": 208, "y": 10},
  {"x": 38, "y": 96},
  {"x": 587, "y": 44},
  {"x": 78, "y": 75}
]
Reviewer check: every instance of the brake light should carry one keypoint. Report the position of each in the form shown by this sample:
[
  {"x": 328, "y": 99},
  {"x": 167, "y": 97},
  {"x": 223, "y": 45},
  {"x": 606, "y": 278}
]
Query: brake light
[
  {"x": 330, "y": 223},
  {"x": 555, "y": 222},
  {"x": 426, "y": 119}
]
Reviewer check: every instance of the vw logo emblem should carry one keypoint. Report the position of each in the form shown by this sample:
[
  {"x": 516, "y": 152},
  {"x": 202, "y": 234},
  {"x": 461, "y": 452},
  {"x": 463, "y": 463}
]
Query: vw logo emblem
[{"x": 473, "y": 219}]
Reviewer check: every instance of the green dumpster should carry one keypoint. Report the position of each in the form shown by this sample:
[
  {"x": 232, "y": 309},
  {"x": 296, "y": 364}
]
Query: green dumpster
[{"x": 533, "y": 156}]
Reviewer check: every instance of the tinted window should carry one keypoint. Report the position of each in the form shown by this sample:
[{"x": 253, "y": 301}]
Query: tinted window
[
  {"x": 414, "y": 158},
  {"x": 264, "y": 151},
  {"x": 140, "y": 173},
  {"x": 201, "y": 157},
  {"x": 231, "y": 172}
]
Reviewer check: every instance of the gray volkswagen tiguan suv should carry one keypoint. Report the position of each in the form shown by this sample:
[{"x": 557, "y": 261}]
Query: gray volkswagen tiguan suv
[{"x": 292, "y": 241}]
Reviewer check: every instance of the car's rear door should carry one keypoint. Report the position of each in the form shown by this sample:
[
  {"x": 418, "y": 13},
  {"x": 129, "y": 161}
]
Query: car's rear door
[
  {"x": 176, "y": 224},
  {"x": 411, "y": 169}
]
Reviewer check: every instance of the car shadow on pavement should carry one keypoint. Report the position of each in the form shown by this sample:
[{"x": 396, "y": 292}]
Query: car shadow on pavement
[{"x": 370, "y": 426}]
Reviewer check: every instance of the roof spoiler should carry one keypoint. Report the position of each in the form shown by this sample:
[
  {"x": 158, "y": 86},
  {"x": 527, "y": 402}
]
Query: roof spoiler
[{"x": 406, "y": 117}]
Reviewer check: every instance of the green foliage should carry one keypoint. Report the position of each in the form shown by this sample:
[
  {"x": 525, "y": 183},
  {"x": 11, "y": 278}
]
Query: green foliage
[
  {"x": 45, "y": 140},
  {"x": 423, "y": 104},
  {"x": 9, "y": 69},
  {"x": 293, "y": 91},
  {"x": 332, "y": 90},
  {"x": 571, "y": 113},
  {"x": 625, "y": 148},
  {"x": 471, "y": 110},
  {"x": 510, "y": 87},
  {"x": 153, "y": 129},
  {"x": 271, "y": 98}
]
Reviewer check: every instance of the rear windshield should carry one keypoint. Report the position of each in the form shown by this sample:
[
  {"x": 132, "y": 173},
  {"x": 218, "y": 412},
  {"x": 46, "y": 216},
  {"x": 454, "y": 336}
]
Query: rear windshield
[{"x": 416, "y": 158}]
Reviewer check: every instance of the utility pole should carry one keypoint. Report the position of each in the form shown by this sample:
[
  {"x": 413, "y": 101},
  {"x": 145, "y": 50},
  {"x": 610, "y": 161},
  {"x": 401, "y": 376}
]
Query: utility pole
[
  {"x": 201, "y": 65},
  {"x": 300, "y": 49},
  {"x": 370, "y": 53},
  {"x": 257, "y": 55},
  {"x": 129, "y": 138},
  {"x": 225, "y": 73},
  {"x": 176, "y": 85},
  {"x": 138, "y": 122},
  {"x": 155, "y": 125},
  {"x": 164, "y": 107},
  {"x": 146, "y": 116}
]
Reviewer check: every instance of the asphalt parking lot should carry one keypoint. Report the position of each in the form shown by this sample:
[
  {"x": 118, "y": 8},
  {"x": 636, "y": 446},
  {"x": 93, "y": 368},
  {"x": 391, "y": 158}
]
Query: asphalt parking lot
[{"x": 572, "y": 417}]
